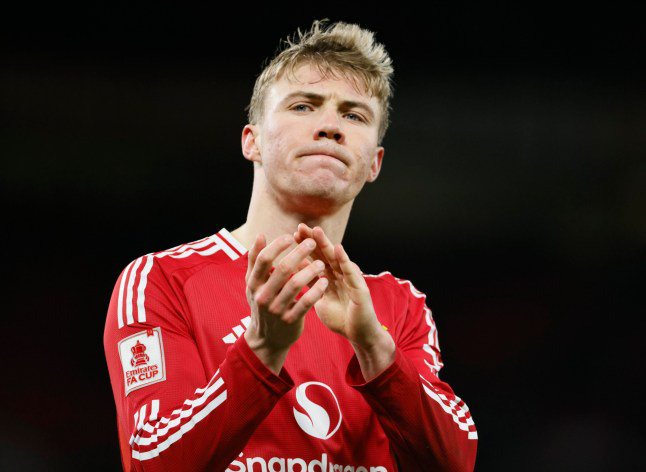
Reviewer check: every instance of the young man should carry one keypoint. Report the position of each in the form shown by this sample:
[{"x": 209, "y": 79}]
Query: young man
[{"x": 266, "y": 348}]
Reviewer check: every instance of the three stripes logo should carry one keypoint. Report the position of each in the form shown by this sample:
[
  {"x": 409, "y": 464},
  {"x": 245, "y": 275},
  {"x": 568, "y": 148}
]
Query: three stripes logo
[{"x": 238, "y": 330}]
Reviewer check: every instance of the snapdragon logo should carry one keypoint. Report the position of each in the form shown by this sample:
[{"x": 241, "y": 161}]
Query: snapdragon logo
[
  {"x": 296, "y": 464},
  {"x": 315, "y": 420}
]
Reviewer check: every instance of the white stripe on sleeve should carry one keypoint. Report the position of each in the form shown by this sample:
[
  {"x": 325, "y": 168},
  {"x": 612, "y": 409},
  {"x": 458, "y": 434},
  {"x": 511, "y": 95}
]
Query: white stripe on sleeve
[
  {"x": 141, "y": 294},
  {"x": 122, "y": 286},
  {"x": 131, "y": 282},
  {"x": 185, "y": 418}
]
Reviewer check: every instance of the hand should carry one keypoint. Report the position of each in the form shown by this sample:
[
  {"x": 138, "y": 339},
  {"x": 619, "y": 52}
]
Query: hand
[
  {"x": 276, "y": 317},
  {"x": 346, "y": 306}
]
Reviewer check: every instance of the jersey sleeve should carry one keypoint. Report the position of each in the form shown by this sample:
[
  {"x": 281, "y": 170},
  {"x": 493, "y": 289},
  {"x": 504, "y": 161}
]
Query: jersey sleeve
[
  {"x": 429, "y": 427},
  {"x": 171, "y": 413}
]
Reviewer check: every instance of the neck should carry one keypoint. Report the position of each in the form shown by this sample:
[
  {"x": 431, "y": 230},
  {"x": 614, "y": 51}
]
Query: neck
[{"x": 274, "y": 215}]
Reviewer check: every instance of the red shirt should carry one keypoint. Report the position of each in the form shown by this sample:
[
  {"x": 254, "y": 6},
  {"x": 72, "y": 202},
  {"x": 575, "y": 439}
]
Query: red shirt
[{"x": 191, "y": 395}]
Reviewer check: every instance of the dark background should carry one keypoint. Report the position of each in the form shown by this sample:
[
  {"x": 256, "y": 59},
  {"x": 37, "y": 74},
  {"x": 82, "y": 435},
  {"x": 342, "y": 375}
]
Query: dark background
[{"x": 512, "y": 193}]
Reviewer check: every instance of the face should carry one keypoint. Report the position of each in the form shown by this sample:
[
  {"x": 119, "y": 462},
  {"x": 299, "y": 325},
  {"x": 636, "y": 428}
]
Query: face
[{"x": 317, "y": 143}]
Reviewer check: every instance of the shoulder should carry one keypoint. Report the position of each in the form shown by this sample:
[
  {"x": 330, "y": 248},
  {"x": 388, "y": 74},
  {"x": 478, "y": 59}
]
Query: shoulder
[
  {"x": 385, "y": 281},
  {"x": 156, "y": 279},
  {"x": 413, "y": 319},
  {"x": 170, "y": 268},
  {"x": 218, "y": 248}
]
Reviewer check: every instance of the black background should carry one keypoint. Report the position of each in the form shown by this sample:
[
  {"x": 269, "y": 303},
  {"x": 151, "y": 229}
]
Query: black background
[{"x": 512, "y": 193}]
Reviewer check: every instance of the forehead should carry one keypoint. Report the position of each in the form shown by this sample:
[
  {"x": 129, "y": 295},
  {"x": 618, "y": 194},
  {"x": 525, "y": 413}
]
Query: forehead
[{"x": 308, "y": 78}]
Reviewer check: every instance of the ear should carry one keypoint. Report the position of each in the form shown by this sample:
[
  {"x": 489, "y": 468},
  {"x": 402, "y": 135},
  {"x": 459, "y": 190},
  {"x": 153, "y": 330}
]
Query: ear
[
  {"x": 251, "y": 143},
  {"x": 375, "y": 166}
]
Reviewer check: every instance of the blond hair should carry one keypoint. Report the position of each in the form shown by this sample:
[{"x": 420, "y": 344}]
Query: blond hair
[{"x": 340, "y": 51}]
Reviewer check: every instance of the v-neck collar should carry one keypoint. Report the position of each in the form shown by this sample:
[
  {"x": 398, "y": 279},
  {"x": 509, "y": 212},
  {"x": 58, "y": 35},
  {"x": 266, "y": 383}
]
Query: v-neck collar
[{"x": 232, "y": 242}]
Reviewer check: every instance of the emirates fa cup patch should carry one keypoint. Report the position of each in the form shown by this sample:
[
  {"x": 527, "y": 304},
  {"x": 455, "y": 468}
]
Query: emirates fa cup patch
[{"x": 142, "y": 359}]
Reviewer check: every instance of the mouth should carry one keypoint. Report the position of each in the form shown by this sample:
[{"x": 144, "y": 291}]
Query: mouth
[{"x": 328, "y": 156}]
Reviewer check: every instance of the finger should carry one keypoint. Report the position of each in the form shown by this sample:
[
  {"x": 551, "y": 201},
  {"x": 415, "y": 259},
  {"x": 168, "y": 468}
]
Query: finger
[
  {"x": 265, "y": 259},
  {"x": 302, "y": 232},
  {"x": 299, "y": 234},
  {"x": 304, "y": 263},
  {"x": 325, "y": 252},
  {"x": 284, "y": 270},
  {"x": 332, "y": 269},
  {"x": 306, "y": 302},
  {"x": 352, "y": 275},
  {"x": 299, "y": 238},
  {"x": 259, "y": 244},
  {"x": 294, "y": 285},
  {"x": 326, "y": 247}
]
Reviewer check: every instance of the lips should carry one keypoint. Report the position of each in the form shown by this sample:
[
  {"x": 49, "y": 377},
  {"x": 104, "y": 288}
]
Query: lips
[{"x": 325, "y": 154}]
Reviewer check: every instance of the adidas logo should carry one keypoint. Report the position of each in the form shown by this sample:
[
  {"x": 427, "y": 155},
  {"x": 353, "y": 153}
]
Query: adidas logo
[{"x": 237, "y": 331}]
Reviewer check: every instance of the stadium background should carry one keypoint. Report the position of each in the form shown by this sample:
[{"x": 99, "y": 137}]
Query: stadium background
[{"x": 512, "y": 193}]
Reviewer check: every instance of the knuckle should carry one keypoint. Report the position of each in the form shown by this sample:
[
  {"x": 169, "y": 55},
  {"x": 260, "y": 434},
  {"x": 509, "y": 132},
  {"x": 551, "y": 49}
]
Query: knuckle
[
  {"x": 306, "y": 248},
  {"x": 274, "y": 309},
  {"x": 306, "y": 302},
  {"x": 261, "y": 299},
  {"x": 252, "y": 287},
  {"x": 283, "y": 268},
  {"x": 293, "y": 319},
  {"x": 291, "y": 285},
  {"x": 301, "y": 309}
]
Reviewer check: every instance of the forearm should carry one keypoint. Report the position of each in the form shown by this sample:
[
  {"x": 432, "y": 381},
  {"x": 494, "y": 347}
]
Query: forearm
[
  {"x": 220, "y": 416},
  {"x": 427, "y": 425},
  {"x": 272, "y": 358},
  {"x": 375, "y": 355}
]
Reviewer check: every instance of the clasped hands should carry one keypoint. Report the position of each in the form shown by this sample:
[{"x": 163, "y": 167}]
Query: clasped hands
[{"x": 337, "y": 290}]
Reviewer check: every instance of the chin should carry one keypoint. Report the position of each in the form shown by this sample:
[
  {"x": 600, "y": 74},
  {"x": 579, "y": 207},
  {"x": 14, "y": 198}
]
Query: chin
[
  {"x": 316, "y": 198},
  {"x": 324, "y": 186}
]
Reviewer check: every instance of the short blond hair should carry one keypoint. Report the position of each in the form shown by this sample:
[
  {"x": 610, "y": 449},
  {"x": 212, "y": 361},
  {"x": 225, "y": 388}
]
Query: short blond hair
[{"x": 340, "y": 50}]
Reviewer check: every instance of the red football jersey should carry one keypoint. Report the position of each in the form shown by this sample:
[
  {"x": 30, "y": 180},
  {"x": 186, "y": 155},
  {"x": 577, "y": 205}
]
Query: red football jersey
[{"x": 191, "y": 395}]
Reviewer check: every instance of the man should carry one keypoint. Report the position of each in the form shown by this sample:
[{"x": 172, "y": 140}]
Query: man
[{"x": 266, "y": 348}]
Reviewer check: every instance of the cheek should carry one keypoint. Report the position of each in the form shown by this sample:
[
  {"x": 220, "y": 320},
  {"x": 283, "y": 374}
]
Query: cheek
[
  {"x": 275, "y": 153},
  {"x": 276, "y": 140},
  {"x": 366, "y": 158},
  {"x": 274, "y": 145}
]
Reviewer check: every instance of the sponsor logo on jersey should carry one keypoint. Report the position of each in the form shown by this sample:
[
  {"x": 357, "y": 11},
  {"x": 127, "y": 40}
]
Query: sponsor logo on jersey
[
  {"x": 296, "y": 464},
  {"x": 142, "y": 359},
  {"x": 320, "y": 410}
]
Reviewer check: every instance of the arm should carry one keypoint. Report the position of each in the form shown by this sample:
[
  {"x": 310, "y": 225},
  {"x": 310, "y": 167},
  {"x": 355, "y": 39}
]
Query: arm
[
  {"x": 183, "y": 419},
  {"x": 428, "y": 425},
  {"x": 171, "y": 414}
]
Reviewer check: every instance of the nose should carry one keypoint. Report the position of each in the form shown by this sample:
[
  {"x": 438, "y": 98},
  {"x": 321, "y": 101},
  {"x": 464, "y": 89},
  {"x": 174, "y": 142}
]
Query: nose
[{"x": 328, "y": 128}]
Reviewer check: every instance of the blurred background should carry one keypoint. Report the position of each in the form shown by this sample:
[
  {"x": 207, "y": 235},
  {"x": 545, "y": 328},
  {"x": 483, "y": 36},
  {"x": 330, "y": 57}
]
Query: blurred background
[{"x": 512, "y": 193}]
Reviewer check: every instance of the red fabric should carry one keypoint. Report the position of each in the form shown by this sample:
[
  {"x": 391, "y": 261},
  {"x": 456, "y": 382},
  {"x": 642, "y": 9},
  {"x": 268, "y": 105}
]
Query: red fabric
[{"x": 220, "y": 408}]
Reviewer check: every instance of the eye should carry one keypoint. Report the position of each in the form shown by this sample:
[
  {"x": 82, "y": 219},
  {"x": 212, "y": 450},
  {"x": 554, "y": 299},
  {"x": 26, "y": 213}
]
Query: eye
[
  {"x": 354, "y": 117},
  {"x": 301, "y": 107}
]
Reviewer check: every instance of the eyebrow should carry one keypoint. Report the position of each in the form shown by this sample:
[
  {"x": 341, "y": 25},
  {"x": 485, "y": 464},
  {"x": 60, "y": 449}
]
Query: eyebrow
[{"x": 315, "y": 97}]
